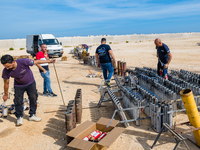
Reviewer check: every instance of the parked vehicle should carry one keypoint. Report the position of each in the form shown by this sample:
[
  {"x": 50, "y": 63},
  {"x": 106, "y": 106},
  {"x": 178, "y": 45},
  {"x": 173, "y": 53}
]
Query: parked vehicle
[{"x": 54, "y": 48}]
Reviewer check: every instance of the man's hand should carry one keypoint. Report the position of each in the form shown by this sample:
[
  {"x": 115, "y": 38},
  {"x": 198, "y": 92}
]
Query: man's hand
[
  {"x": 45, "y": 54},
  {"x": 166, "y": 65},
  {"x": 52, "y": 61},
  {"x": 115, "y": 70},
  {"x": 5, "y": 97},
  {"x": 99, "y": 65},
  {"x": 44, "y": 71}
]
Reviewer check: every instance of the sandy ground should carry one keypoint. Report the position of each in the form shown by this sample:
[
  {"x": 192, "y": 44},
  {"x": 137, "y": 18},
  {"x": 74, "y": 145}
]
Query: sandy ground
[{"x": 49, "y": 134}]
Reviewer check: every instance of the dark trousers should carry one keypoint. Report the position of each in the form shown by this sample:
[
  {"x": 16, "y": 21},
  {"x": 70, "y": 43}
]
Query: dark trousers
[{"x": 19, "y": 96}]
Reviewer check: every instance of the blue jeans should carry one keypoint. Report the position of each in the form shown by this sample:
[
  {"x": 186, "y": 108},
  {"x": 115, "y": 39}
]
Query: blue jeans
[
  {"x": 107, "y": 67},
  {"x": 47, "y": 81}
]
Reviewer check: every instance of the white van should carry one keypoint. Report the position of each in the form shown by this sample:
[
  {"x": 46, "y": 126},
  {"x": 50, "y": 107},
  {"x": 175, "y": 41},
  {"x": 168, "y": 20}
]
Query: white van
[{"x": 54, "y": 48}]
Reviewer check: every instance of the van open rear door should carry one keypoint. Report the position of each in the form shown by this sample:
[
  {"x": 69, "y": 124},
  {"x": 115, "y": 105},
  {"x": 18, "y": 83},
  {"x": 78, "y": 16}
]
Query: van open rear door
[
  {"x": 29, "y": 44},
  {"x": 35, "y": 44},
  {"x": 32, "y": 44}
]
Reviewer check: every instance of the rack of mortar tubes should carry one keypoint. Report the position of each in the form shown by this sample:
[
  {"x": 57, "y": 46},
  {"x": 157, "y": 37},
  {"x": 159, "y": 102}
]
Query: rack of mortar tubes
[
  {"x": 178, "y": 80},
  {"x": 167, "y": 93},
  {"x": 74, "y": 111},
  {"x": 143, "y": 90}
]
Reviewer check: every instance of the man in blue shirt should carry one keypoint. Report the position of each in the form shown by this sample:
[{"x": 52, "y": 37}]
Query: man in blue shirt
[
  {"x": 164, "y": 58},
  {"x": 103, "y": 54}
]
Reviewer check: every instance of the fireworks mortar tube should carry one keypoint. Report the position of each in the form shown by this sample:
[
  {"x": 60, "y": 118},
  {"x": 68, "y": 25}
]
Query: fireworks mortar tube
[
  {"x": 68, "y": 121},
  {"x": 122, "y": 69},
  {"x": 87, "y": 138},
  {"x": 98, "y": 134},
  {"x": 102, "y": 136},
  {"x": 118, "y": 67},
  {"x": 78, "y": 105}
]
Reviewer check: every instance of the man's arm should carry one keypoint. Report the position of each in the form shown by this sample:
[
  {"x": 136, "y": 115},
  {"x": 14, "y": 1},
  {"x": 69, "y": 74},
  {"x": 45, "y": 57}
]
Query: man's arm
[
  {"x": 97, "y": 58},
  {"x": 170, "y": 58},
  {"x": 6, "y": 86},
  {"x": 113, "y": 57},
  {"x": 44, "y": 61}
]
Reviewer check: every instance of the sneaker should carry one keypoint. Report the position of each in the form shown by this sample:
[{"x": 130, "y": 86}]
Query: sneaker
[
  {"x": 108, "y": 84},
  {"x": 45, "y": 93},
  {"x": 19, "y": 121},
  {"x": 52, "y": 94},
  {"x": 34, "y": 118}
]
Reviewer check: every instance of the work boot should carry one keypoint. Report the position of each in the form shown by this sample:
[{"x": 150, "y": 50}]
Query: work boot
[
  {"x": 52, "y": 94},
  {"x": 34, "y": 118},
  {"x": 45, "y": 93},
  {"x": 19, "y": 121}
]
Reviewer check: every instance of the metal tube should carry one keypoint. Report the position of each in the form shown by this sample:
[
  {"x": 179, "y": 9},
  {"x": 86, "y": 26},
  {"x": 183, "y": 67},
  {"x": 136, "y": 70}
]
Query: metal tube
[
  {"x": 68, "y": 121},
  {"x": 124, "y": 66},
  {"x": 121, "y": 67},
  {"x": 192, "y": 112}
]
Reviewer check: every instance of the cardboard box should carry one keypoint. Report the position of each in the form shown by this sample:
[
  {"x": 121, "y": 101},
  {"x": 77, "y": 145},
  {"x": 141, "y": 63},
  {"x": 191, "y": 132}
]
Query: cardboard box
[
  {"x": 75, "y": 136},
  {"x": 64, "y": 58},
  {"x": 23, "y": 56}
]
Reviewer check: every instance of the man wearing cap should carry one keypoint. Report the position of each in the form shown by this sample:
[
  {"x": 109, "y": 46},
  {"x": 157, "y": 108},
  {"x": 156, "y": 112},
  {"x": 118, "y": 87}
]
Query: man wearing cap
[
  {"x": 23, "y": 82},
  {"x": 164, "y": 58},
  {"x": 103, "y": 56}
]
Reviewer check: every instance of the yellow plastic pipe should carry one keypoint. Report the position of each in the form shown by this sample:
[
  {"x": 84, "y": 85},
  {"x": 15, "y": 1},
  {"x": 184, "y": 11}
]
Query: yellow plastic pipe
[{"x": 192, "y": 112}]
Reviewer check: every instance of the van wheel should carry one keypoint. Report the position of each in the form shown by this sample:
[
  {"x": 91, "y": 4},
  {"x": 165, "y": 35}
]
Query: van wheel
[{"x": 60, "y": 55}]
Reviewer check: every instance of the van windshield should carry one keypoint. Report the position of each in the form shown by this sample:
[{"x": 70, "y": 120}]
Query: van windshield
[{"x": 50, "y": 41}]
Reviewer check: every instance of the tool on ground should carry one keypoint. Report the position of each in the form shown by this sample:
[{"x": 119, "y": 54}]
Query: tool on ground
[
  {"x": 58, "y": 83},
  {"x": 90, "y": 71}
]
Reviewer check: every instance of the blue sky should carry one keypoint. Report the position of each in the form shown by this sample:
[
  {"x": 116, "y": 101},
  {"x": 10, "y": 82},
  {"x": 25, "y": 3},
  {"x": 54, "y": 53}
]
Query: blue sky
[{"x": 19, "y": 18}]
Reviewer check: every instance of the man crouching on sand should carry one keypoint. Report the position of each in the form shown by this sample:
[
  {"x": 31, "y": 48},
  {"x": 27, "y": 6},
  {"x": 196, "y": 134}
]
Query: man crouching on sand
[{"x": 23, "y": 81}]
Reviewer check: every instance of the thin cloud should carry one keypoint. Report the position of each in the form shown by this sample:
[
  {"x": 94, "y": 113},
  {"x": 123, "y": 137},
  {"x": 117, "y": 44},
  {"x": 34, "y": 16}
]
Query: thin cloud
[
  {"x": 65, "y": 15},
  {"x": 134, "y": 10}
]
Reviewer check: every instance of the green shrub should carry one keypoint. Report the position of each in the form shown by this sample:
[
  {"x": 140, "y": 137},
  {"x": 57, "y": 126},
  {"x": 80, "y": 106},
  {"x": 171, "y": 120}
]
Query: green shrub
[
  {"x": 11, "y": 48},
  {"x": 127, "y": 41},
  {"x": 110, "y": 42},
  {"x": 21, "y": 48}
]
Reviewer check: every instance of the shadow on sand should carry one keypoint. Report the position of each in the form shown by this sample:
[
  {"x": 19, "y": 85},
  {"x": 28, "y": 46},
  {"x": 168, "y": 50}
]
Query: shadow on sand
[{"x": 55, "y": 128}]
